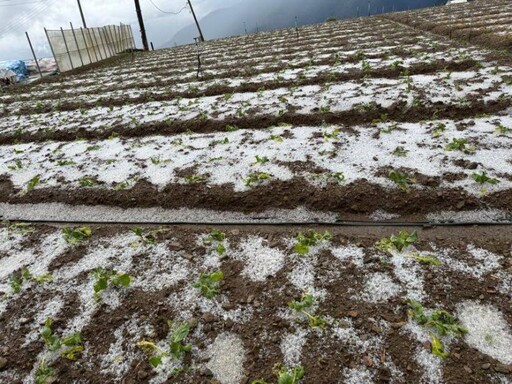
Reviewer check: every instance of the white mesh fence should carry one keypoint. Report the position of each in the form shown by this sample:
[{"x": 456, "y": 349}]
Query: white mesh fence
[{"x": 74, "y": 48}]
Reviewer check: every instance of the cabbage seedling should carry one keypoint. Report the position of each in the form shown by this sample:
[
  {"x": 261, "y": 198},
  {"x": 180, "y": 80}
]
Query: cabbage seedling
[
  {"x": 148, "y": 239},
  {"x": 217, "y": 237},
  {"x": 256, "y": 178},
  {"x": 36, "y": 180},
  {"x": 400, "y": 151},
  {"x": 397, "y": 242},
  {"x": 67, "y": 346},
  {"x": 208, "y": 283},
  {"x": 483, "y": 178},
  {"x": 106, "y": 278},
  {"x": 460, "y": 145},
  {"x": 76, "y": 235},
  {"x": 17, "y": 281},
  {"x": 439, "y": 320},
  {"x": 261, "y": 160},
  {"x": 284, "y": 375},
  {"x": 43, "y": 373},
  {"x": 194, "y": 178},
  {"x": 402, "y": 181},
  {"x": 177, "y": 348},
  {"x": 306, "y": 302},
  {"x": 309, "y": 239},
  {"x": 502, "y": 130}
]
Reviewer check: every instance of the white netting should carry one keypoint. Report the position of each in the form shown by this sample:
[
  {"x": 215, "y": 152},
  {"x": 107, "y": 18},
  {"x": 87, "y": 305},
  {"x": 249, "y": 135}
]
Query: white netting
[{"x": 73, "y": 48}]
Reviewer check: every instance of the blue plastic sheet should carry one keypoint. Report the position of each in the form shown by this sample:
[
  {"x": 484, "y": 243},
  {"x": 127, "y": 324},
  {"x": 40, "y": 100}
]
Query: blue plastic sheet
[{"x": 17, "y": 66}]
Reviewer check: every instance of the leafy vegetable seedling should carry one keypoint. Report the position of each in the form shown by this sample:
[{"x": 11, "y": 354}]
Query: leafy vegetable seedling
[
  {"x": 460, "y": 145},
  {"x": 208, "y": 283},
  {"x": 191, "y": 179},
  {"x": 427, "y": 259},
  {"x": 67, "y": 346},
  {"x": 43, "y": 373},
  {"x": 256, "y": 178},
  {"x": 109, "y": 278},
  {"x": 307, "y": 300},
  {"x": 284, "y": 375},
  {"x": 397, "y": 242},
  {"x": 402, "y": 181},
  {"x": 439, "y": 129},
  {"x": 147, "y": 239},
  {"x": 17, "y": 280},
  {"x": 36, "y": 180},
  {"x": 400, "y": 152},
  {"x": 261, "y": 160},
  {"x": 216, "y": 237},
  {"x": 177, "y": 348},
  {"x": 442, "y": 322},
  {"x": 76, "y": 235},
  {"x": 309, "y": 239},
  {"x": 483, "y": 178}
]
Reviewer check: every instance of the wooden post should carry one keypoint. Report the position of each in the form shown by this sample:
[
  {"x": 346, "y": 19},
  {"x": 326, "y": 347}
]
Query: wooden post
[
  {"x": 97, "y": 45},
  {"x": 34, "y": 55},
  {"x": 82, "y": 14},
  {"x": 141, "y": 24},
  {"x": 195, "y": 19}
]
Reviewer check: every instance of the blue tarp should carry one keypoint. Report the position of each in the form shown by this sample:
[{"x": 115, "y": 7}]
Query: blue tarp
[{"x": 17, "y": 66}]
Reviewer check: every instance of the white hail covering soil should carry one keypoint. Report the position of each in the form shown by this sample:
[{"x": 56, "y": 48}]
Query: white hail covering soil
[
  {"x": 261, "y": 261},
  {"x": 378, "y": 288},
  {"x": 120, "y": 163},
  {"x": 291, "y": 347},
  {"x": 227, "y": 356},
  {"x": 488, "y": 331}
]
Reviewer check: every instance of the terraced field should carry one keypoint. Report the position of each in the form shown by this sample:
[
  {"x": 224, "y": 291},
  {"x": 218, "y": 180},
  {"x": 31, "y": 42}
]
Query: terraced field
[{"x": 255, "y": 159}]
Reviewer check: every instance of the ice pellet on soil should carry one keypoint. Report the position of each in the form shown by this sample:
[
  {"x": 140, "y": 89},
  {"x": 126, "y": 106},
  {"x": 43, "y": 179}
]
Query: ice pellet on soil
[
  {"x": 360, "y": 375},
  {"x": 378, "y": 288},
  {"x": 488, "y": 331},
  {"x": 227, "y": 357},
  {"x": 349, "y": 253},
  {"x": 291, "y": 347},
  {"x": 261, "y": 261}
]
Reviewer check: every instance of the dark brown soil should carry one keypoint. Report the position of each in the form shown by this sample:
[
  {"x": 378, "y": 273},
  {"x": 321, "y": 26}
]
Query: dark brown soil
[{"x": 323, "y": 358}]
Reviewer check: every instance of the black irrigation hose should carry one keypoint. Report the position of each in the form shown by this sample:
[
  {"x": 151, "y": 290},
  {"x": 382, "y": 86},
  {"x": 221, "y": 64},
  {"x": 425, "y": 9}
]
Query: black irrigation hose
[{"x": 339, "y": 223}]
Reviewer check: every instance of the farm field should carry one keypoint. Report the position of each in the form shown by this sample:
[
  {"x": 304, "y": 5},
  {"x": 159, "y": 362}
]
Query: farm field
[{"x": 227, "y": 224}]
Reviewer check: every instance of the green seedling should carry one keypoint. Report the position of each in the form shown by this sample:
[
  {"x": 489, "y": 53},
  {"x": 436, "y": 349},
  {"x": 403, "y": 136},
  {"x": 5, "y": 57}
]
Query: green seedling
[
  {"x": 460, "y": 145},
  {"x": 502, "y": 130},
  {"x": 306, "y": 302},
  {"x": 158, "y": 161},
  {"x": 309, "y": 239},
  {"x": 146, "y": 239},
  {"x": 33, "y": 182},
  {"x": 338, "y": 177},
  {"x": 400, "y": 151},
  {"x": 108, "y": 278},
  {"x": 256, "y": 178},
  {"x": 401, "y": 180},
  {"x": 17, "y": 165},
  {"x": 438, "y": 348},
  {"x": 208, "y": 283},
  {"x": 43, "y": 373},
  {"x": 331, "y": 135},
  {"x": 439, "y": 320},
  {"x": 289, "y": 375},
  {"x": 276, "y": 138},
  {"x": 483, "y": 179},
  {"x": 177, "y": 348},
  {"x": 427, "y": 259},
  {"x": 62, "y": 163},
  {"x": 439, "y": 129},
  {"x": 366, "y": 67},
  {"x": 191, "y": 179},
  {"x": 397, "y": 242},
  {"x": 86, "y": 182},
  {"x": 261, "y": 160},
  {"x": 17, "y": 280},
  {"x": 76, "y": 235},
  {"x": 231, "y": 128},
  {"x": 18, "y": 228},
  {"x": 216, "y": 237},
  {"x": 67, "y": 346}
]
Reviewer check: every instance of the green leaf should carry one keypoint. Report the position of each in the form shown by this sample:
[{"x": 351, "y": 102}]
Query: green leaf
[
  {"x": 155, "y": 361},
  {"x": 125, "y": 279},
  {"x": 180, "y": 333},
  {"x": 100, "y": 285},
  {"x": 438, "y": 348}
]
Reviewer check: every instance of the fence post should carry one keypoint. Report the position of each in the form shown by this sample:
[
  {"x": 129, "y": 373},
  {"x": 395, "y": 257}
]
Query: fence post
[
  {"x": 86, "y": 45},
  {"x": 107, "y": 40},
  {"x": 117, "y": 38},
  {"x": 121, "y": 32},
  {"x": 33, "y": 54},
  {"x": 96, "y": 40},
  {"x": 53, "y": 52},
  {"x": 67, "y": 49},
  {"x": 112, "y": 31},
  {"x": 93, "y": 44},
  {"x": 106, "y": 48},
  {"x": 76, "y": 42}
]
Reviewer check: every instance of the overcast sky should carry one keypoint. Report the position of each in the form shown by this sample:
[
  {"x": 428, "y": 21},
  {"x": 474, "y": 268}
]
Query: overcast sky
[{"x": 18, "y": 16}]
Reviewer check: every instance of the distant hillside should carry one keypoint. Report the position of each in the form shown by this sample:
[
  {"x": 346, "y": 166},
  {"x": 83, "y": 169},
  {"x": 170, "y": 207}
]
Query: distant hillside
[{"x": 272, "y": 14}]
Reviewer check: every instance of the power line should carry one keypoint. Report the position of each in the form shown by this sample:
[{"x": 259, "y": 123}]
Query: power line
[
  {"x": 167, "y": 12},
  {"x": 25, "y": 18},
  {"x": 18, "y": 4}
]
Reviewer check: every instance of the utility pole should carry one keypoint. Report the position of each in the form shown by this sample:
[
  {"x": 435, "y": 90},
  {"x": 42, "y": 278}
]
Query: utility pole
[
  {"x": 369, "y": 9},
  {"x": 141, "y": 24},
  {"x": 195, "y": 18},
  {"x": 82, "y": 14}
]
